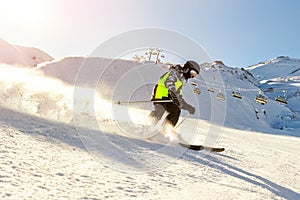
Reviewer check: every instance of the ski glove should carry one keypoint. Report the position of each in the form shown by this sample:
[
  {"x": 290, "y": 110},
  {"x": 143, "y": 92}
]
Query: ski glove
[
  {"x": 175, "y": 99},
  {"x": 189, "y": 108}
]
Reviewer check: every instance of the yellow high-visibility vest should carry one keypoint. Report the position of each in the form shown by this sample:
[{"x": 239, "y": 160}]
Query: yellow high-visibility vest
[{"x": 162, "y": 90}]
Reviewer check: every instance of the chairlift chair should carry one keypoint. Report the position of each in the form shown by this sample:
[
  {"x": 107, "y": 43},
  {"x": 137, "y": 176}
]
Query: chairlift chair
[
  {"x": 194, "y": 83},
  {"x": 211, "y": 89},
  {"x": 261, "y": 99},
  {"x": 237, "y": 95},
  {"x": 197, "y": 90},
  {"x": 221, "y": 96},
  {"x": 282, "y": 99}
]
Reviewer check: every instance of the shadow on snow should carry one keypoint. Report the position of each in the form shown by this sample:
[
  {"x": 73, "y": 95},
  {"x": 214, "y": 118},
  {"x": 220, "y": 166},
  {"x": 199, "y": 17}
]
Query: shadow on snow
[{"x": 129, "y": 148}]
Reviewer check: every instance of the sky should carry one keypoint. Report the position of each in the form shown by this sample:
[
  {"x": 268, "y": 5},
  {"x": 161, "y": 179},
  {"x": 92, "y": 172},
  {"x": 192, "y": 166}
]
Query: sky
[{"x": 238, "y": 32}]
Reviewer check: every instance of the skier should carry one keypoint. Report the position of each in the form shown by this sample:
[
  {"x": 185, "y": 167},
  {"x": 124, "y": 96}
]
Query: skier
[{"x": 169, "y": 87}]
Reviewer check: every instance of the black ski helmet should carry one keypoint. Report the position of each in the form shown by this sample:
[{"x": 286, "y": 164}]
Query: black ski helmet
[{"x": 192, "y": 65}]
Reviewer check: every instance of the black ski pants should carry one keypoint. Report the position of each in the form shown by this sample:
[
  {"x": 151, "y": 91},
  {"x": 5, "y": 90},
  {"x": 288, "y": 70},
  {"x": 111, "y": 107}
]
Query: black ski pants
[{"x": 171, "y": 108}]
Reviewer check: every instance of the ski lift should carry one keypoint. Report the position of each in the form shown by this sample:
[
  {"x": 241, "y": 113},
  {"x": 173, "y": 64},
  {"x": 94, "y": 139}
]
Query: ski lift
[
  {"x": 211, "y": 89},
  {"x": 261, "y": 98},
  {"x": 197, "y": 90},
  {"x": 282, "y": 99},
  {"x": 220, "y": 96},
  {"x": 237, "y": 95},
  {"x": 194, "y": 84}
]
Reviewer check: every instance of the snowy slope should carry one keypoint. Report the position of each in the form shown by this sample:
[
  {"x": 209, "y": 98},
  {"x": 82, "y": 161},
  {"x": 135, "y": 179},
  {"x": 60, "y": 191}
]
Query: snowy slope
[
  {"x": 281, "y": 66},
  {"x": 281, "y": 77},
  {"x": 111, "y": 79},
  {"x": 59, "y": 141},
  {"x": 42, "y": 159},
  {"x": 25, "y": 56}
]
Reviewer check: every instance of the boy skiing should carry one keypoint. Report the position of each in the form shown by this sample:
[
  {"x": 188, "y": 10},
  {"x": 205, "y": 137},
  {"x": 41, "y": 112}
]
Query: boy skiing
[{"x": 169, "y": 87}]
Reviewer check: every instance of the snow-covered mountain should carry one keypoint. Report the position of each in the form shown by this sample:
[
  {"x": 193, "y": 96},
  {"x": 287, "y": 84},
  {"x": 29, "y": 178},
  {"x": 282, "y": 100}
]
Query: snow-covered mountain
[
  {"x": 18, "y": 55},
  {"x": 280, "y": 78},
  {"x": 216, "y": 84}
]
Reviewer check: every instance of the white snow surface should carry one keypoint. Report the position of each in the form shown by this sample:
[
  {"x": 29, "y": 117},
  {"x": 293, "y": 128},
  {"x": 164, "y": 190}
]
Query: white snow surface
[
  {"x": 278, "y": 77},
  {"x": 63, "y": 136},
  {"x": 41, "y": 159}
]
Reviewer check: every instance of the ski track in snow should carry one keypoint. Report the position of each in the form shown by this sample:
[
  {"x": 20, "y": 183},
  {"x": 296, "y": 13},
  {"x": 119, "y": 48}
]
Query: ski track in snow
[{"x": 42, "y": 159}]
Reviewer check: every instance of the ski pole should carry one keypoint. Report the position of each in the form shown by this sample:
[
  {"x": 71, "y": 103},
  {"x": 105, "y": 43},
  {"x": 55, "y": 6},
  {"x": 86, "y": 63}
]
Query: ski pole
[
  {"x": 182, "y": 121},
  {"x": 153, "y": 101}
]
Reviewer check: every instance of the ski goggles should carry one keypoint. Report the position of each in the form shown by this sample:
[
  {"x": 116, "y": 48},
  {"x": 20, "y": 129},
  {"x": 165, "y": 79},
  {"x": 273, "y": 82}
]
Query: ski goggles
[{"x": 193, "y": 73}]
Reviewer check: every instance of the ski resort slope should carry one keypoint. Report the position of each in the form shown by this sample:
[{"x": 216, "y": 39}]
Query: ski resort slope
[
  {"x": 47, "y": 154},
  {"x": 280, "y": 77},
  {"x": 43, "y": 159},
  {"x": 123, "y": 80}
]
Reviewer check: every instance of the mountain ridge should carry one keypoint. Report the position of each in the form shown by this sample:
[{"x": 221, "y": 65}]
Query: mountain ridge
[{"x": 19, "y": 55}]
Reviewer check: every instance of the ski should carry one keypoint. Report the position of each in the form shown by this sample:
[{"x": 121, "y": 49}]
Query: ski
[{"x": 202, "y": 147}]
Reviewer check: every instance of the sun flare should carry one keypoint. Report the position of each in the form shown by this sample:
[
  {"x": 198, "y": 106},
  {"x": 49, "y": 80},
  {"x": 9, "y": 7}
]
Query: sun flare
[{"x": 22, "y": 12}]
